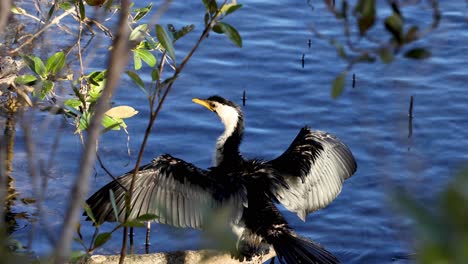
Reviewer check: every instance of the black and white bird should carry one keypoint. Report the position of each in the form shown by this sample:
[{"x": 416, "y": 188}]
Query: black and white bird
[{"x": 306, "y": 177}]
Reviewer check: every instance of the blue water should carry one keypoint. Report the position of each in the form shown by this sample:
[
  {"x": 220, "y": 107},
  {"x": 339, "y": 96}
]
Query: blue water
[{"x": 361, "y": 225}]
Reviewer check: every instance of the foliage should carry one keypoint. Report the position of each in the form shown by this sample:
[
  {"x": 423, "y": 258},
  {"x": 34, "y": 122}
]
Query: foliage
[
  {"x": 442, "y": 230},
  {"x": 153, "y": 49},
  {"x": 376, "y": 36},
  {"x": 45, "y": 74}
]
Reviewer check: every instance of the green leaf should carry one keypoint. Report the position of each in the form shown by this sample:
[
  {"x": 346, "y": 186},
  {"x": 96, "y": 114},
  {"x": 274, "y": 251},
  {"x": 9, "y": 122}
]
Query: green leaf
[
  {"x": 97, "y": 83},
  {"x": 139, "y": 32},
  {"x": 114, "y": 206},
  {"x": 95, "y": 92},
  {"x": 97, "y": 77},
  {"x": 133, "y": 223},
  {"x": 365, "y": 12},
  {"x": 394, "y": 24},
  {"x": 55, "y": 63},
  {"x": 84, "y": 121},
  {"x": 136, "y": 61},
  {"x": 338, "y": 85},
  {"x": 177, "y": 34},
  {"x": 51, "y": 12},
  {"x": 75, "y": 256},
  {"x": 211, "y": 6},
  {"x": 46, "y": 88},
  {"x": 36, "y": 65},
  {"x": 25, "y": 79},
  {"x": 229, "y": 31},
  {"x": 74, "y": 103},
  {"x": 39, "y": 67},
  {"x": 142, "y": 12},
  {"x": 65, "y": 6},
  {"x": 101, "y": 239},
  {"x": 230, "y": 8},
  {"x": 147, "y": 217},
  {"x": 155, "y": 75},
  {"x": 111, "y": 123},
  {"x": 89, "y": 213},
  {"x": 29, "y": 61},
  {"x": 339, "y": 49},
  {"x": 147, "y": 56},
  {"x": 365, "y": 8},
  {"x": 82, "y": 10},
  {"x": 136, "y": 79},
  {"x": 418, "y": 53},
  {"x": 165, "y": 41}
]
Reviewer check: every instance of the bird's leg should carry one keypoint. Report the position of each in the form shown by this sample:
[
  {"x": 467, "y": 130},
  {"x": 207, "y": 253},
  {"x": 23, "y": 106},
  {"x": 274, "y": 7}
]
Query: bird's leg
[
  {"x": 131, "y": 239},
  {"x": 147, "y": 243}
]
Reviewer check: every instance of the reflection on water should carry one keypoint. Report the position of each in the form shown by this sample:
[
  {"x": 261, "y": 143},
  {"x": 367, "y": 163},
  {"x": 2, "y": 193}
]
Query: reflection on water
[{"x": 8, "y": 109}]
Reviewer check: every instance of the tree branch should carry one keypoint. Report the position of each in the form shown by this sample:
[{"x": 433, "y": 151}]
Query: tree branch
[{"x": 117, "y": 62}]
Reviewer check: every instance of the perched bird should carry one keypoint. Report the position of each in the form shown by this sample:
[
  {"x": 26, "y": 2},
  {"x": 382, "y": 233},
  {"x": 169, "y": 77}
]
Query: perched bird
[{"x": 306, "y": 177}]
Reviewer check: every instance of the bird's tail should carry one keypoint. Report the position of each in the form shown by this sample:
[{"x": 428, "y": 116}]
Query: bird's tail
[{"x": 292, "y": 249}]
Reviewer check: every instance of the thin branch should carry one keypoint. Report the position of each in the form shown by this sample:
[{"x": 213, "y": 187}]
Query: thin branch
[
  {"x": 37, "y": 34},
  {"x": 117, "y": 62},
  {"x": 153, "y": 116}
]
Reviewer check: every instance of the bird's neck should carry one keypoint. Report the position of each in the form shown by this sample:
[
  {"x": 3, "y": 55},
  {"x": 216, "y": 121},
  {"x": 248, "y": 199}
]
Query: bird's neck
[{"x": 227, "y": 146}]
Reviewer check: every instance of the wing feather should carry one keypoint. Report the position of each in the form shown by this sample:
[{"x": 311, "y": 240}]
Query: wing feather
[
  {"x": 179, "y": 193},
  {"x": 314, "y": 167}
]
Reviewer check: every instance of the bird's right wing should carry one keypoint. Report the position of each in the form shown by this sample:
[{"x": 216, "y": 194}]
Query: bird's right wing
[{"x": 179, "y": 193}]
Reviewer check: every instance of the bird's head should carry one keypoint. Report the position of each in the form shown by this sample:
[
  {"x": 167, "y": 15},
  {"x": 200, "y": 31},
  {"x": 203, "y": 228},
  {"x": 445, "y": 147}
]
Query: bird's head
[
  {"x": 227, "y": 146},
  {"x": 229, "y": 113}
]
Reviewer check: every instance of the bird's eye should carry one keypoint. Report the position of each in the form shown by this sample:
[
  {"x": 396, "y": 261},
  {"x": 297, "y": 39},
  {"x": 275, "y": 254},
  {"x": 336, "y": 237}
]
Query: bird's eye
[{"x": 212, "y": 105}]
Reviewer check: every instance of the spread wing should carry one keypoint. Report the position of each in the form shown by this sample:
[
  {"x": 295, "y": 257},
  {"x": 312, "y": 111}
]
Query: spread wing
[
  {"x": 179, "y": 193},
  {"x": 314, "y": 166}
]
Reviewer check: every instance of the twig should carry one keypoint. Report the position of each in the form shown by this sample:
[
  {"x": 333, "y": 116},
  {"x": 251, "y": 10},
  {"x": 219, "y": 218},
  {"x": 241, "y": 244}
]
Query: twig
[
  {"x": 37, "y": 34},
  {"x": 410, "y": 110},
  {"x": 117, "y": 61},
  {"x": 244, "y": 98},
  {"x": 410, "y": 118}
]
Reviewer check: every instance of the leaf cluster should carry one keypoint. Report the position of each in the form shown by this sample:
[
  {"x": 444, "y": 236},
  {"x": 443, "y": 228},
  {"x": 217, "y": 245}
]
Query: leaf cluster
[
  {"x": 401, "y": 37},
  {"x": 441, "y": 229}
]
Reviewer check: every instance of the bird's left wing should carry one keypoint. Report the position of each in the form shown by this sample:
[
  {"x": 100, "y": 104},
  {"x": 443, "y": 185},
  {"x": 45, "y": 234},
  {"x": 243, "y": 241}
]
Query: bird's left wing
[
  {"x": 314, "y": 167},
  {"x": 179, "y": 193}
]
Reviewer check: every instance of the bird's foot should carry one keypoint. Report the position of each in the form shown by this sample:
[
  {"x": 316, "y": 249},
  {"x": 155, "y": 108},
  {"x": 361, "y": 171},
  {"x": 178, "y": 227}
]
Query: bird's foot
[{"x": 248, "y": 252}]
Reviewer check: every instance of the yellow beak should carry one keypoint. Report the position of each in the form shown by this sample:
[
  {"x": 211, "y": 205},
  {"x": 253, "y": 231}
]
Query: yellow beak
[{"x": 204, "y": 103}]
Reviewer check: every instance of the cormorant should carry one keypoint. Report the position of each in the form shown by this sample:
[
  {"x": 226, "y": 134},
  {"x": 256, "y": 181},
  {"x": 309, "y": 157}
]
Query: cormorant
[{"x": 306, "y": 177}]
